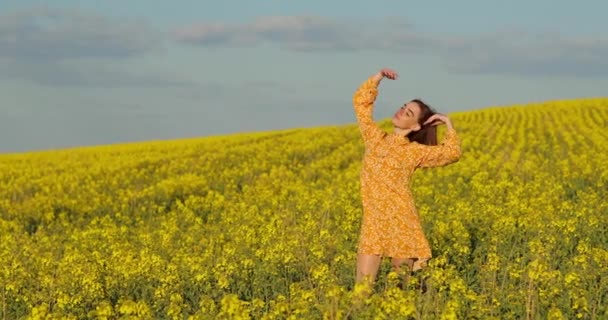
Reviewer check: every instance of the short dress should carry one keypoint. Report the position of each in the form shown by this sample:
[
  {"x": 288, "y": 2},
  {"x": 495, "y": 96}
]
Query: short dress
[{"x": 391, "y": 225}]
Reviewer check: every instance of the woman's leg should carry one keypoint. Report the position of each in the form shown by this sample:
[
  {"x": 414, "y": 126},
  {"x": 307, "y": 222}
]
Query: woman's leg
[
  {"x": 367, "y": 267},
  {"x": 399, "y": 263}
]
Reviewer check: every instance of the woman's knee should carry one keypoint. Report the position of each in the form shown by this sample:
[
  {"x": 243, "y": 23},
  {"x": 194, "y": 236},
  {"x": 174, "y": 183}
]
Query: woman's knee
[{"x": 367, "y": 266}]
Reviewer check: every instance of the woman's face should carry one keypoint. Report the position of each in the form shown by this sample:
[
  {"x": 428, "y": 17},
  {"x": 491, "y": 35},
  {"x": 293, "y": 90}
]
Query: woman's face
[{"x": 407, "y": 116}]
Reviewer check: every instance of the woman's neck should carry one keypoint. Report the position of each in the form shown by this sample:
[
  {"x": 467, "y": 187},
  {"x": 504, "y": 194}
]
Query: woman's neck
[{"x": 402, "y": 132}]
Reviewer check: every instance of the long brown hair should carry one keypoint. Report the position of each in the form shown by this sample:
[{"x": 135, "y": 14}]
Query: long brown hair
[{"x": 427, "y": 133}]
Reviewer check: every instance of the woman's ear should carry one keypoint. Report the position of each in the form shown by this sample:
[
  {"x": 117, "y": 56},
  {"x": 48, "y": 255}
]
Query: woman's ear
[{"x": 416, "y": 128}]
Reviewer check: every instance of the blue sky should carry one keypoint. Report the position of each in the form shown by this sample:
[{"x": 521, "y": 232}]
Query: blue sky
[{"x": 76, "y": 73}]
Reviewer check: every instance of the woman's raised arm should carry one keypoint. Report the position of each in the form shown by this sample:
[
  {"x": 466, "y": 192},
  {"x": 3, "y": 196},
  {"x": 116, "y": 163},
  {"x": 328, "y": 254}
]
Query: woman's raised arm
[{"x": 363, "y": 103}]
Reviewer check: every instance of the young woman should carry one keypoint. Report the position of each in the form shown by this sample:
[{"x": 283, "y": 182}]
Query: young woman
[{"x": 391, "y": 226}]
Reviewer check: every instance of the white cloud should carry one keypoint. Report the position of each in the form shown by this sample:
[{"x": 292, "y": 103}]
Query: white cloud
[
  {"x": 515, "y": 52},
  {"x": 67, "y": 47},
  {"x": 43, "y": 33},
  {"x": 529, "y": 54},
  {"x": 301, "y": 33}
]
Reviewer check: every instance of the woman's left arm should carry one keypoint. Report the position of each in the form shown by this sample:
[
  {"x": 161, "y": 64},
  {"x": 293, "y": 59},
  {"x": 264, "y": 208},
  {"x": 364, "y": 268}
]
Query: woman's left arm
[{"x": 445, "y": 153}]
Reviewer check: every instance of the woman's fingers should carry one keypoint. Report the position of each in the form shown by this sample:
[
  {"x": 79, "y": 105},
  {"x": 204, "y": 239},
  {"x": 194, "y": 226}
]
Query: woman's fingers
[
  {"x": 389, "y": 73},
  {"x": 434, "y": 123},
  {"x": 431, "y": 119},
  {"x": 436, "y": 119}
]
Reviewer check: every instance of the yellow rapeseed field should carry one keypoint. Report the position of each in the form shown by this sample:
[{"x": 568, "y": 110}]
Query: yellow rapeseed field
[{"x": 265, "y": 225}]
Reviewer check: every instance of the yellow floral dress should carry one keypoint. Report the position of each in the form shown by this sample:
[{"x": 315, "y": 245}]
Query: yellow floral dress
[{"x": 391, "y": 225}]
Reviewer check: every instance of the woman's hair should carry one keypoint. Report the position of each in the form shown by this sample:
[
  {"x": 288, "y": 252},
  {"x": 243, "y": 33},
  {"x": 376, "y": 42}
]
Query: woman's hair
[{"x": 427, "y": 133}]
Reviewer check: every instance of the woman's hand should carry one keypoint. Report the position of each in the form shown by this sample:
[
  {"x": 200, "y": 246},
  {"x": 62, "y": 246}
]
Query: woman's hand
[
  {"x": 389, "y": 73},
  {"x": 386, "y": 73},
  {"x": 438, "y": 119}
]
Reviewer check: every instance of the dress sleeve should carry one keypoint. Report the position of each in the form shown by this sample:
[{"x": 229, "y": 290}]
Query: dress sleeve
[
  {"x": 363, "y": 102},
  {"x": 440, "y": 155}
]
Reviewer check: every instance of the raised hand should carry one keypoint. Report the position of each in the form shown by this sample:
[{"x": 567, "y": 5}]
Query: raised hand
[
  {"x": 438, "y": 119},
  {"x": 389, "y": 73},
  {"x": 386, "y": 73}
]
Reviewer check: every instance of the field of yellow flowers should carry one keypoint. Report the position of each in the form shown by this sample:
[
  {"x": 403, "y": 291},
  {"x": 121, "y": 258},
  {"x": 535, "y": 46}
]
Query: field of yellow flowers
[{"x": 265, "y": 225}]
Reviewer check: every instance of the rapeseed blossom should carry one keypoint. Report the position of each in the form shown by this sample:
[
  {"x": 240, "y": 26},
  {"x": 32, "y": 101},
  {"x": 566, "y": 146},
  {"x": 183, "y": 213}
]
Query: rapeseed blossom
[{"x": 265, "y": 225}]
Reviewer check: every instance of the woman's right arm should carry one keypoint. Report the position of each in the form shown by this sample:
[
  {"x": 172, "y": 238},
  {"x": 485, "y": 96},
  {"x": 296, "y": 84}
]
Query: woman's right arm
[{"x": 363, "y": 103}]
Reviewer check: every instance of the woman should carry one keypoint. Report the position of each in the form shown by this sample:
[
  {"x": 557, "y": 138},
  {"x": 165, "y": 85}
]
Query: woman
[{"x": 391, "y": 225}]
